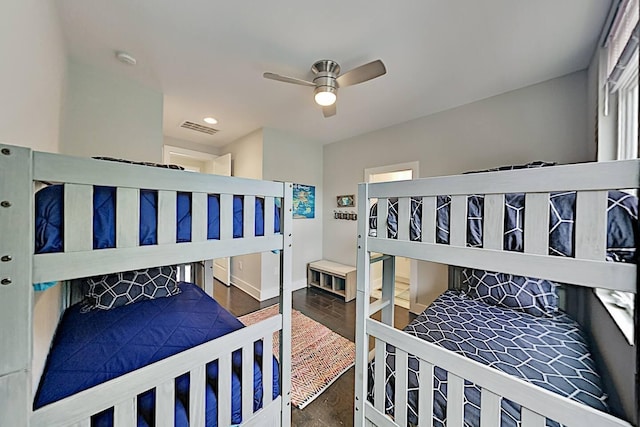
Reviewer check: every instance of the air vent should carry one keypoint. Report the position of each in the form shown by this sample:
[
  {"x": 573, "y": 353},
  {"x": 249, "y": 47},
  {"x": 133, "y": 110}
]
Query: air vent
[{"x": 199, "y": 128}]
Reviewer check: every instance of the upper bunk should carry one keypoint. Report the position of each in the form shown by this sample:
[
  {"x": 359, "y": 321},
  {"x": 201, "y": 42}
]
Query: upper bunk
[
  {"x": 239, "y": 228},
  {"x": 587, "y": 265}
]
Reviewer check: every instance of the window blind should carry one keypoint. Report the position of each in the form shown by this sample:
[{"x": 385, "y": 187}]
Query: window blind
[{"x": 622, "y": 41}]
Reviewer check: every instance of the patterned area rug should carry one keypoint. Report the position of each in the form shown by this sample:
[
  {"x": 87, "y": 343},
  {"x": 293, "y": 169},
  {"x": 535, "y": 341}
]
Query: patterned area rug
[{"x": 319, "y": 355}]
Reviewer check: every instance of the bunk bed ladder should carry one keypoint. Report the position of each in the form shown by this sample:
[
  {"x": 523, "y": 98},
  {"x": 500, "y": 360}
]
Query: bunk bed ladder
[
  {"x": 285, "y": 300},
  {"x": 16, "y": 293},
  {"x": 362, "y": 301}
]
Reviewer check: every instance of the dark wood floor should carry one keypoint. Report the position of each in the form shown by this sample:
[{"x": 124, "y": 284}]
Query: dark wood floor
[{"x": 334, "y": 407}]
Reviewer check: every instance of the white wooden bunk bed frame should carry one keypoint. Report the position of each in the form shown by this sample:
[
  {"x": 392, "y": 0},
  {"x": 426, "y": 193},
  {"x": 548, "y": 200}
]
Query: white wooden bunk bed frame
[
  {"x": 588, "y": 268},
  {"x": 20, "y": 268}
]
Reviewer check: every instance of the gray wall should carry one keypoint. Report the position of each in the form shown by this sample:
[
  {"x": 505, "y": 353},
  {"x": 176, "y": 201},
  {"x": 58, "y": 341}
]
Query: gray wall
[
  {"x": 546, "y": 121},
  {"x": 110, "y": 115},
  {"x": 615, "y": 358}
]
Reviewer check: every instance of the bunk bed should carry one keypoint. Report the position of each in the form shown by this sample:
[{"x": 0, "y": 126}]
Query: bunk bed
[
  {"x": 481, "y": 354},
  {"x": 139, "y": 346}
]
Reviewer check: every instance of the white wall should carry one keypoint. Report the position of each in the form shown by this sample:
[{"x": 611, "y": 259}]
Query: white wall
[
  {"x": 189, "y": 145},
  {"x": 32, "y": 74},
  {"x": 546, "y": 121},
  {"x": 246, "y": 162},
  {"x": 246, "y": 155},
  {"x": 294, "y": 159},
  {"x": 278, "y": 156},
  {"x": 110, "y": 115},
  {"x": 32, "y": 86}
]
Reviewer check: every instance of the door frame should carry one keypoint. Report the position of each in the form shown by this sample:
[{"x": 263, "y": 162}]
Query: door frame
[{"x": 413, "y": 264}]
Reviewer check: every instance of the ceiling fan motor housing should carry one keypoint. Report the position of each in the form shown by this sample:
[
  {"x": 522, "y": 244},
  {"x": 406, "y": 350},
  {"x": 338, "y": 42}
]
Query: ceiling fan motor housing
[{"x": 326, "y": 72}]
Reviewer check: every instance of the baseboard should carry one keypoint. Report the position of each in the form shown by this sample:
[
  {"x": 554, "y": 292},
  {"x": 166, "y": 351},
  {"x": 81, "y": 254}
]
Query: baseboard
[
  {"x": 377, "y": 283},
  {"x": 268, "y": 295},
  {"x": 402, "y": 279},
  {"x": 260, "y": 295},
  {"x": 299, "y": 284},
  {"x": 246, "y": 287}
]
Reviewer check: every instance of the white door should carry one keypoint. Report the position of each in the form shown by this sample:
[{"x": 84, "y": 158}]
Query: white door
[{"x": 222, "y": 266}]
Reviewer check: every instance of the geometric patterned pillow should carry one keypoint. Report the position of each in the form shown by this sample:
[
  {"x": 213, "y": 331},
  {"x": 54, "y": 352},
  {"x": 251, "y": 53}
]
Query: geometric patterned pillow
[
  {"x": 115, "y": 290},
  {"x": 534, "y": 296}
]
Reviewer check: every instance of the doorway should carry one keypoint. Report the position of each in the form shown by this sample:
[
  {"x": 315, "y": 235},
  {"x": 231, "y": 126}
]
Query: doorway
[
  {"x": 405, "y": 267},
  {"x": 196, "y": 161}
]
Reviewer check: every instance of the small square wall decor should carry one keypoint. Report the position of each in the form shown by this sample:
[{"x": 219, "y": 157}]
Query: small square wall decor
[{"x": 346, "y": 201}]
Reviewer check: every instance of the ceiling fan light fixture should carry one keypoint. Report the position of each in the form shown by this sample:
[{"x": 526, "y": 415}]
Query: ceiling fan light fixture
[
  {"x": 325, "y": 96},
  {"x": 327, "y": 79}
]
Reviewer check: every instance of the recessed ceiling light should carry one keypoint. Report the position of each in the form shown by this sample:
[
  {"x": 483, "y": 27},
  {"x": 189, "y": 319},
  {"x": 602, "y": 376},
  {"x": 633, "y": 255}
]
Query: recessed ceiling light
[
  {"x": 210, "y": 120},
  {"x": 126, "y": 58}
]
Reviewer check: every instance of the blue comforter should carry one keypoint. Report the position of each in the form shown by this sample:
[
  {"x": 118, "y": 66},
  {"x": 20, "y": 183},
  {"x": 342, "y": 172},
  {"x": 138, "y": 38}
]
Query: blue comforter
[
  {"x": 549, "y": 352},
  {"x": 94, "y": 347},
  {"x": 50, "y": 215}
]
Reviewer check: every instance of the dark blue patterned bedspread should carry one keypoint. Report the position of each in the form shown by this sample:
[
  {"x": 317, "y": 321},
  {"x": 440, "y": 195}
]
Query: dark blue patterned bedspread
[
  {"x": 549, "y": 352},
  {"x": 622, "y": 223},
  {"x": 97, "y": 346}
]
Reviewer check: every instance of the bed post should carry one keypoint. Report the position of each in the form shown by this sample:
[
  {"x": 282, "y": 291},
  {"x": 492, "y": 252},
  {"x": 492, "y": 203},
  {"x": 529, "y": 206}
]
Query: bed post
[
  {"x": 362, "y": 305},
  {"x": 16, "y": 292},
  {"x": 208, "y": 277},
  {"x": 388, "y": 289},
  {"x": 286, "y": 227}
]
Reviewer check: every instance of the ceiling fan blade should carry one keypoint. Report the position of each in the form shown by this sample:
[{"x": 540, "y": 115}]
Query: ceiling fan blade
[
  {"x": 285, "y": 79},
  {"x": 362, "y": 74},
  {"x": 329, "y": 110}
]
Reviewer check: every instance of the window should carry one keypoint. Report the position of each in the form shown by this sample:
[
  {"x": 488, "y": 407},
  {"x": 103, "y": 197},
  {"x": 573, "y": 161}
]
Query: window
[
  {"x": 621, "y": 82},
  {"x": 627, "y": 90}
]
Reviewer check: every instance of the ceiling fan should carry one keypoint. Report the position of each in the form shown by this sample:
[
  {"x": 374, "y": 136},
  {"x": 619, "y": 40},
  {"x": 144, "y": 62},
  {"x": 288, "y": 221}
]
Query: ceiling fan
[{"x": 327, "y": 80}]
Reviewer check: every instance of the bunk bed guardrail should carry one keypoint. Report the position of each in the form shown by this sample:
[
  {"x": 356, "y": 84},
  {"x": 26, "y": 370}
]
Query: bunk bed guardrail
[{"x": 588, "y": 268}]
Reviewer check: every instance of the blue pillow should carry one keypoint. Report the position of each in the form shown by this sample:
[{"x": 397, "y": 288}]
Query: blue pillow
[
  {"x": 49, "y": 218},
  {"x": 534, "y": 296}
]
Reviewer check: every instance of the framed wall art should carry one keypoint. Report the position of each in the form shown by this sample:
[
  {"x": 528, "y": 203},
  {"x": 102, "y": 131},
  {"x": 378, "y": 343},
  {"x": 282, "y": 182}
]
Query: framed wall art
[{"x": 304, "y": 201}]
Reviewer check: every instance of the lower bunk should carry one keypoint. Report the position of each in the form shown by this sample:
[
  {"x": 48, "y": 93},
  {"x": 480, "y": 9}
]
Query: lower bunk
[
  {"x": 181, "y": 360},
  {"x": 549, "y": 351}
]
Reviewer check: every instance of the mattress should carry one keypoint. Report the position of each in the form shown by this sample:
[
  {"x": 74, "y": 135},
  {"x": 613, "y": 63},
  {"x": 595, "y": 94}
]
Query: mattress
[
  {"x": 622, "y": 223},
  {"x": 50, "y": 218},
  {"x": 550, "y": 352},
  {"x": 94, "y": 347}
]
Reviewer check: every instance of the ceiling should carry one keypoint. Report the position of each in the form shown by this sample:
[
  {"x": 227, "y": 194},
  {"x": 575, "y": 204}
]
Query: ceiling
[{"x": 207, "y": 56}]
